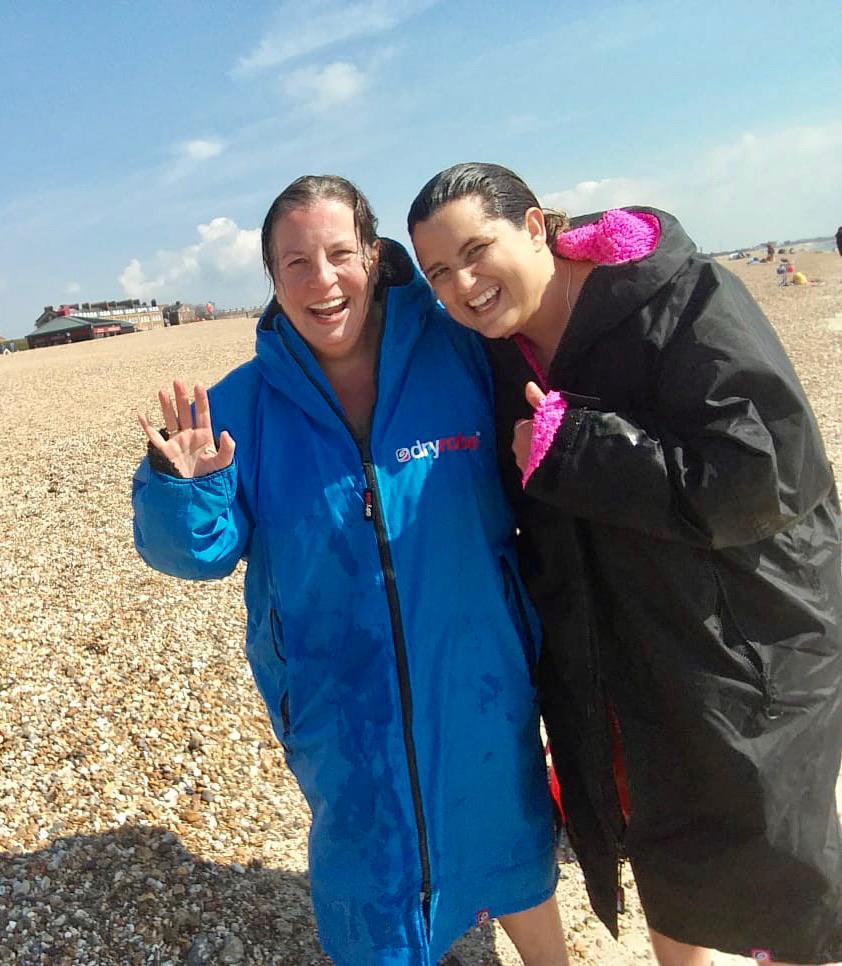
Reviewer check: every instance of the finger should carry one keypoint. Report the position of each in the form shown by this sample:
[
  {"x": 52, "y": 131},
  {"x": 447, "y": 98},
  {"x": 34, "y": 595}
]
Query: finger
[
  {"x": 226, "y": 448},
  {"x": 203, "y": 419},
  {"x": 182, "y": 405},
  {"x": 152, "y": 434},
  {"x": 168, "y": 411},
  {"x": 521, "y": 422},
  {"x": 534, "y": 394}
]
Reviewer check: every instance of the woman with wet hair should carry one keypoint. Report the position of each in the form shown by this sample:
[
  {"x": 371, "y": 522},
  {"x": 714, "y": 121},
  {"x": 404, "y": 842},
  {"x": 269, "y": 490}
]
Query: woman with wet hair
[
  {"x": 680, "y": 537},
  {"x": 388, "y": 632}
]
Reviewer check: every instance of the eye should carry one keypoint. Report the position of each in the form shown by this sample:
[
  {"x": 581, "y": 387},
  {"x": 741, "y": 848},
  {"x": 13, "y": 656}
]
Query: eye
[
  {"x": 475, "y": 250},
  {"x": 342, "y": 255},
  {"x": 437, "y": 273},
  {"x": 295, "y": 262}
]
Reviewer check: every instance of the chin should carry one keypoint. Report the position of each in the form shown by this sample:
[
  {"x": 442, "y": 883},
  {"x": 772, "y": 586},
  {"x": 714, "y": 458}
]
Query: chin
[{"x": 500, "y": 329}]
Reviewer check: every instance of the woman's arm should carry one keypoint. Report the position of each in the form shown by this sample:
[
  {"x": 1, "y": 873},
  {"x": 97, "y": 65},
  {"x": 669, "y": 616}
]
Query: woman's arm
[{"x": 730, "y": 453}]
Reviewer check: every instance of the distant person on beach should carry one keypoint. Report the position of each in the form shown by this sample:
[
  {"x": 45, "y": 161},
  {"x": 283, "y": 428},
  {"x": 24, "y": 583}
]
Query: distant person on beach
[
  {"x": 388, "y": 630},
  {"x": 839, "y": 239},
  {"x": 680, "y": 536}
]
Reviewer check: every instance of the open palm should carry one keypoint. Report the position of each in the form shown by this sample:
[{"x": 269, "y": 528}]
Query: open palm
[{"x": 190, "y": 446}]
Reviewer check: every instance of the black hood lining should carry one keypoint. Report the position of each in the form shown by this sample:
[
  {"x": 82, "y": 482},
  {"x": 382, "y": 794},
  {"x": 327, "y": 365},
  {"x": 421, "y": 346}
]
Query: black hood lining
[{"x": 612, "y": 292}]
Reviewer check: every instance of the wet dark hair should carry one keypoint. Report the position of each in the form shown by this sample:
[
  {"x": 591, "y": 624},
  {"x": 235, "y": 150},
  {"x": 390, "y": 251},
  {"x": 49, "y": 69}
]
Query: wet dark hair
[
  {"x": 503, "y": 194},
  {"x": 305, "y": 192}
]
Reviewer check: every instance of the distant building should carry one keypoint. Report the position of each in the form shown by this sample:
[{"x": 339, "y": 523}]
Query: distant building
[
  {"x": 63, "y": 329},
  {"x": 178, "y": 314},
  {"x": 140, "y": 314}
]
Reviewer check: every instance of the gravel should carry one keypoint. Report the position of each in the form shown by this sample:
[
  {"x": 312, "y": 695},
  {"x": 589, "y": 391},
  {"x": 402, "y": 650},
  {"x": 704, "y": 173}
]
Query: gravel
[{"x": 146, "y": 814}]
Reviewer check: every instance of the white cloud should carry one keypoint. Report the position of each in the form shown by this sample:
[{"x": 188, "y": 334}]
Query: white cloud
[
  {"x": 318, "y": 89},
  {"x": 201, "y": 149},
  {"x": 609, "y": 193},
  {"x": 754, "y": 186},
  {"x": 225, "y": 255},
  {"x": 300, "y": 29},
  {"x": 73, "y": 288},
  {"x": 190, "y": 154}
]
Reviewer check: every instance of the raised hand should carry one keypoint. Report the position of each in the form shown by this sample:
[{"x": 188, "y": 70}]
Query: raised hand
[
  {"x": 190, "y": 447},
  {"x": 522, "y": 440}
]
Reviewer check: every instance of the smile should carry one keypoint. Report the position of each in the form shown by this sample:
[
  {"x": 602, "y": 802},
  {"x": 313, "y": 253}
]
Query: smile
[
  {"x": 485, "y": 301},
  {"x": 330, "y": 308}
]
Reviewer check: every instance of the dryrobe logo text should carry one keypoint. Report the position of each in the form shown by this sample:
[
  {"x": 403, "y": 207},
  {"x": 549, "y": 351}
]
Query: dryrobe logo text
[{"x": 434, "y": 448}]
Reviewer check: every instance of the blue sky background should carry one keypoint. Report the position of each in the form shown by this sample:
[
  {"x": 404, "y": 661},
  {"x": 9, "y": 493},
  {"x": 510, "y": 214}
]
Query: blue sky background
[{"x": 142, "y": 143}]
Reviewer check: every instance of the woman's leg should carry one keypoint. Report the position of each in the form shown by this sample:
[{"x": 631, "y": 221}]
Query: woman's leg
[
  {"x": 538, "y": 935},
  {"x": 670, "y": 952}
]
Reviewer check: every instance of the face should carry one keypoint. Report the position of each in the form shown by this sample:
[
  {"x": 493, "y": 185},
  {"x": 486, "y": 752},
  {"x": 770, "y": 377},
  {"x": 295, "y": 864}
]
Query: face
[
  {"x": 322, "y": 275},
  {"x": 486, "y": 271}
]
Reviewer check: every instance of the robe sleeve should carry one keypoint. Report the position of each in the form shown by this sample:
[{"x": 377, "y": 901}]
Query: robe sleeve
[
  {"x": 726, "y": 454},
  {"x": 192, "y": 528}
]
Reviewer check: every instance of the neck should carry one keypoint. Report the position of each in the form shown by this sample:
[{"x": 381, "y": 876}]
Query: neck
[
  {"x": 336, "y": 368},
  {"x": 548, "y": 324},
  {"x": 353, "y": 376}
]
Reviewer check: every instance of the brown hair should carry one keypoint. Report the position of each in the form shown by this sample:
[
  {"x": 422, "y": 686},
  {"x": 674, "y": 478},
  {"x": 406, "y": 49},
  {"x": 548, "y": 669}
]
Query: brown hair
[
  {"x": 503, "y": 194},
  {"x": 306, "y": 191}
]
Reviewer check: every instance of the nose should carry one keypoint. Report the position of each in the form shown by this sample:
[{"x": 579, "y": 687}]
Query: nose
[
  {"x": 323, "y": 272},
  {"x": 464, "y": 280}
]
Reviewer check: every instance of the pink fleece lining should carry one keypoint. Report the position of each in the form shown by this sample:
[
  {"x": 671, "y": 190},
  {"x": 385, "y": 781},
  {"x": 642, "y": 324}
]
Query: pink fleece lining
[
  {"x": 545, "y": 422},
  {"x": 618, "y": 236},
  {"x": 528, "y": 353}
]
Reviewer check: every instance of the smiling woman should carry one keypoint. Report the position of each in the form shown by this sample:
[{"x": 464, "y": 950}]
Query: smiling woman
[
  {"x": 400, "y": 704},
  {"x": 680, "y": 534},
  {"x": 323, "y": 258}
]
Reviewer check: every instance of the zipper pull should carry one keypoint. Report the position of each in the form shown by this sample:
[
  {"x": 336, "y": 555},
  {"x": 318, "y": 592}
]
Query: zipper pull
[
  {"x": 426, "y": 905},
  {"x": 621, "y": 892},
  {"x": 368, "y": 505}
]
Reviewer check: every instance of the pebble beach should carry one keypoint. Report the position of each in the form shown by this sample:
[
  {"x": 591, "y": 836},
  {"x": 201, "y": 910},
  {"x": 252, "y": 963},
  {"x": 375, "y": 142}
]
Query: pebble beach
[{"x": 146, "y": 813}]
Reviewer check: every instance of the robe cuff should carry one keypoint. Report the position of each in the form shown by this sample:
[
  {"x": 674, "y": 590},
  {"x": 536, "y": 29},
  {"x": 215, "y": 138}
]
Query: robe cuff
[{"x": 546, "y": 421}]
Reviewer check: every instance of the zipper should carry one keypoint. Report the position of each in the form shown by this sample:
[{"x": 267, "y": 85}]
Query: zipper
[
  {"x": 754, "y": 666},
  {"x": 616, "y": 747},
  {"x": 610, "y": 806},
  {"x": 404, "y": 684},
  {"x": 373, "y": 511},
  {"x": 621, "y": 892}
]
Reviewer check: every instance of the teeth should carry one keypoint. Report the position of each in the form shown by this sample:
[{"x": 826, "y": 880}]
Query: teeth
[
  {"x": 330, "y": 304},
  {"x": 486, "y": 296}
]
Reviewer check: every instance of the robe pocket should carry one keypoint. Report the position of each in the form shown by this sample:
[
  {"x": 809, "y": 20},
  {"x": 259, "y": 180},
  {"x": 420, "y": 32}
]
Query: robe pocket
[
  {"x": 283, "y": 703},
  {"x": 578, "y": 400},
  {"x": 746, "y": 654}
]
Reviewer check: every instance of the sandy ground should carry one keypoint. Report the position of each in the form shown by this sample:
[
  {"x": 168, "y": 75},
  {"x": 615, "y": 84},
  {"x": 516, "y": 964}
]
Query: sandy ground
[{"x": 146, "y": 815}]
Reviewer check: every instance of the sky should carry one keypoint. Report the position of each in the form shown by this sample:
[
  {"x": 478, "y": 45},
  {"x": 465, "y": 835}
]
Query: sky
[{"x": 141, "y": 143}]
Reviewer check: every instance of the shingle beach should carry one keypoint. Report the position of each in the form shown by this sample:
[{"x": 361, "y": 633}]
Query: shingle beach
[{"x": 146, "y": 813}]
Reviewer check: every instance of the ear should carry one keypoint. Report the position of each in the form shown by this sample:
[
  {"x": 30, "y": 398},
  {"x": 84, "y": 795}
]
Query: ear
[
  {"x": 371, "y": 258},
  {"x": 536, "y": 226}
]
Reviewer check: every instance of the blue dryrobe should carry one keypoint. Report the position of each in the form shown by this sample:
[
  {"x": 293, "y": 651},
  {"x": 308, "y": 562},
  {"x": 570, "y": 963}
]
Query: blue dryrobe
[{"x": 387, "y": 629}]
